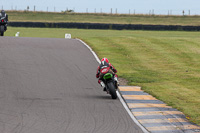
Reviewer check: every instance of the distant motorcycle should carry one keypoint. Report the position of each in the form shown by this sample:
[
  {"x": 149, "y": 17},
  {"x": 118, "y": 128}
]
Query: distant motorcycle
[
  {"x": 110, "y": 84},
  {"x": 2, "y": 25}
]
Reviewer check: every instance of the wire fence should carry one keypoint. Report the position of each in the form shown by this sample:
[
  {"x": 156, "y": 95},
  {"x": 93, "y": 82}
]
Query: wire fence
[{"x": 105, "y": 10}]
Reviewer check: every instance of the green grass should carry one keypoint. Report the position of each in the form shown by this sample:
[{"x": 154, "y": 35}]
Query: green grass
[
  {"x": 103, "y": 18},
  {"x": 165, "y": 63}
]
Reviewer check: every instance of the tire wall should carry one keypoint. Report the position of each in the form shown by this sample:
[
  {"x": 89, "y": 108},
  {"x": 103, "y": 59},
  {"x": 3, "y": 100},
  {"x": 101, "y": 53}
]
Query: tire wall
[{"x": 104, "y": 26}]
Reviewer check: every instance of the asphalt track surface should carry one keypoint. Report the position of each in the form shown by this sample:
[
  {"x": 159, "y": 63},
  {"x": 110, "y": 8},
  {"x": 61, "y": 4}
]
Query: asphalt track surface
[{"x": 49, "y": 86}]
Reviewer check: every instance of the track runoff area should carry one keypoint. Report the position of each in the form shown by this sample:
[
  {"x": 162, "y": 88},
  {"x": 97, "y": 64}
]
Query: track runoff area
[{"x": 150, "y": 114}]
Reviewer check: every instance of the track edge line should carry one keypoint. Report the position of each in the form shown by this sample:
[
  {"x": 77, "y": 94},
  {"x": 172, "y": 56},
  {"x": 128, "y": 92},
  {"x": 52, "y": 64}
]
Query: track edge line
[{"x": 118, "y": 94}]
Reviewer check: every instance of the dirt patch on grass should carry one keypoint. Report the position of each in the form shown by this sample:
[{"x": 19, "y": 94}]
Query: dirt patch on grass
[{"x": 122, "y": 81}]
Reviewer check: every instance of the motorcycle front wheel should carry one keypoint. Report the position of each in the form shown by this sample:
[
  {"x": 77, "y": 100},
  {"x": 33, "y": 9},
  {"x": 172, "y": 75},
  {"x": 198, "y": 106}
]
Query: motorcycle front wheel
[
  {"x": 112, "y": 90},
  {"x": 2, "y": 30}
]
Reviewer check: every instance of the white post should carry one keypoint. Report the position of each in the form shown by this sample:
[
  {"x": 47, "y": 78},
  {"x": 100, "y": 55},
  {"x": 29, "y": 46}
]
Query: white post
[
  {"x": 17, "y": 34},
  {"x": 68, "y": 36}
]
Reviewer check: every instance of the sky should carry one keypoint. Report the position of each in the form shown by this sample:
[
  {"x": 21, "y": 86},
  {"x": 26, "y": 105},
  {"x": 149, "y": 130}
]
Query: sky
[{"x": 174, "y": 7}]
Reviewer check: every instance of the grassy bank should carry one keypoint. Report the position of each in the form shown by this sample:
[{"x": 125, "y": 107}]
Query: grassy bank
[
  {"x": 165, "y": 63},
  {"x": 102, "y": 18}
]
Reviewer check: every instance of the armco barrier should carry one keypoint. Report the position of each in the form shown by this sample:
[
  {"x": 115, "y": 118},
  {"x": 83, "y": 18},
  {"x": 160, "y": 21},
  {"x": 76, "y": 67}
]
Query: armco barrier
[{"x": 104, "y": 26}]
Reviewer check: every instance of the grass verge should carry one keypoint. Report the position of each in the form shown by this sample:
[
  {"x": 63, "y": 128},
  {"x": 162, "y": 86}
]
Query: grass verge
[
  {"x": 16, "y": 16},
  {"x": 165, "y": 63}
]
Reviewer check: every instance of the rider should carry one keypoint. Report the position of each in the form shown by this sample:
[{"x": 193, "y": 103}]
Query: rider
[
  {"x": 105, "y": 63},
  {"x": 3, "y": 14}
]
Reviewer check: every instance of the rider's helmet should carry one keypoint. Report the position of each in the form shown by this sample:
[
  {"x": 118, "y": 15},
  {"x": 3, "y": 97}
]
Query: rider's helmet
[
  {"x": 3, "y": 13},
  {"x": 105, "y": 59}
]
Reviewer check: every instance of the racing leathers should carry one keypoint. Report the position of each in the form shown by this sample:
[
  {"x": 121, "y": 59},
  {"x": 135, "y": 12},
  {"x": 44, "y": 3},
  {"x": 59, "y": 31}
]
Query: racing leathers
[
  {"x": 100, "y": 75},
  {"x": 4, "y": 15}
]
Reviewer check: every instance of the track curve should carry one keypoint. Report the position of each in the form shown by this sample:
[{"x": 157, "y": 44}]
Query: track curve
[{"x": 49, "y": 86}]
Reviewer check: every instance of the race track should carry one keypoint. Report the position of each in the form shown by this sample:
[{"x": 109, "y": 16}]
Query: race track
[{"x": 49, "y": 86}]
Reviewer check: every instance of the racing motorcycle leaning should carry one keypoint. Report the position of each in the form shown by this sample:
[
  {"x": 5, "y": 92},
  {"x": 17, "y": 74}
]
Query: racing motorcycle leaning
[
  {"x": 3, "y": 24},
  {"x": 110, "y": 83}
]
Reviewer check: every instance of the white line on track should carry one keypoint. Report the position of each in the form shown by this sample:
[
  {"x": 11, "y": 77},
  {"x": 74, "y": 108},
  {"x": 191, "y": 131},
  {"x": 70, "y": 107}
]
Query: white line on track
[{"x": 119, "y": 96}]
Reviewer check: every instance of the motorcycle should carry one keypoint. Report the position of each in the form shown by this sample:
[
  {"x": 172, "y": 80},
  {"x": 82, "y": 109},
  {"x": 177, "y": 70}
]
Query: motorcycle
[
  {"x": 2, "y": 25},
  {"x": 110, "y": 84}
]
